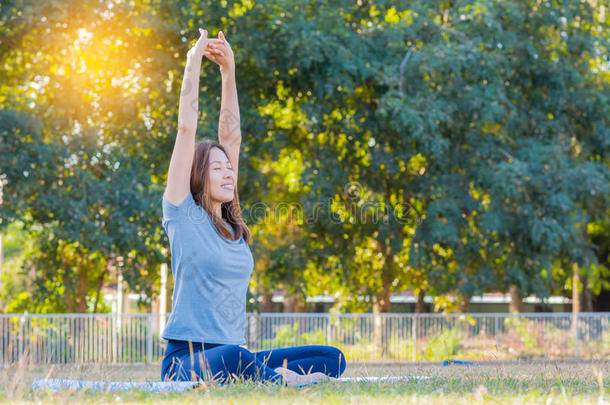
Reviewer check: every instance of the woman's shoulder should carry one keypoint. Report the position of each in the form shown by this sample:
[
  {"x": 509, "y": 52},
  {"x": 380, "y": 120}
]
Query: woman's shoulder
[
  {"x": 186, "y": 209},
  {"x": 176, "y": 202}
]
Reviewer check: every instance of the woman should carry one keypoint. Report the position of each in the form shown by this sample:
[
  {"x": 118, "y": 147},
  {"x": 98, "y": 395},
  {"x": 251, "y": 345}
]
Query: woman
[{"x": 210, "y": 254}]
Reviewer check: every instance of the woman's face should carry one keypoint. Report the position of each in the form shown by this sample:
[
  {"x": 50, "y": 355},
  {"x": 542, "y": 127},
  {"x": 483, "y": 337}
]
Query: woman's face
[{"x": 221, "y": 176}]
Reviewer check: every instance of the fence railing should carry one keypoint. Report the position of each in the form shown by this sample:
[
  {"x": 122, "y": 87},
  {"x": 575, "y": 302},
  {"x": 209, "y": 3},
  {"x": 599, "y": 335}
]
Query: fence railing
[{"x": 135, "y": 338}]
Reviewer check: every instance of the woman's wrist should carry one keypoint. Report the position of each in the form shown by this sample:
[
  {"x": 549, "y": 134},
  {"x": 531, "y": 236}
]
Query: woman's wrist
[
  {"x": 193, "y": 60},
  {"x": 227, "y": 72}
]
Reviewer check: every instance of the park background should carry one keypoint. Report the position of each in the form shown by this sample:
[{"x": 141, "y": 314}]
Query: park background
[{"x": 397, "y": 157}]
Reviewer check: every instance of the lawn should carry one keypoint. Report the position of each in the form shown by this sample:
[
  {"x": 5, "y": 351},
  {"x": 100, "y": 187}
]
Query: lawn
[{"x": 493, "y": 383}]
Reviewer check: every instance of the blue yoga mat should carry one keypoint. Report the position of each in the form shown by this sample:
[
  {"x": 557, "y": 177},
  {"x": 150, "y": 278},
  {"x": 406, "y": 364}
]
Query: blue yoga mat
[
  {"x": 55, "y": 384},
  {"x": 460, "y": 362}
]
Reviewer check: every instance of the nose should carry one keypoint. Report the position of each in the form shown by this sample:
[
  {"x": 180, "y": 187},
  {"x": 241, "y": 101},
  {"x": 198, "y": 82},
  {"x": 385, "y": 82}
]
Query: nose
[{"x": 228, "y": 174}]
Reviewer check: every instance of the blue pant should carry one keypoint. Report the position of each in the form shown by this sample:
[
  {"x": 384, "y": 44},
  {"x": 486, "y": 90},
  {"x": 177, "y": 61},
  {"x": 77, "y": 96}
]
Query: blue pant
[{"x": 221, "y": 361}]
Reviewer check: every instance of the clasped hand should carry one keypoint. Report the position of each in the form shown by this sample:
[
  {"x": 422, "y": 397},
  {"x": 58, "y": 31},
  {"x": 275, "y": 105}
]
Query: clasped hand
[{"x": 217, "y": 50}]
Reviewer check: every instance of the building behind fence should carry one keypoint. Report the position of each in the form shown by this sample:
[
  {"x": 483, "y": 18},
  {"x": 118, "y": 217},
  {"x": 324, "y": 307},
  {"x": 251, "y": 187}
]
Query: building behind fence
[{"x": 135, "y": 338}]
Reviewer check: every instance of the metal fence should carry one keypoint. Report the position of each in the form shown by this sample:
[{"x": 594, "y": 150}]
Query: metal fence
[{"x": 135, "y": 338}]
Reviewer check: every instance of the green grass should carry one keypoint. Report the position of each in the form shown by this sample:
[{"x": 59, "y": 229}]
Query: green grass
[{"x": 517, "y": 383}]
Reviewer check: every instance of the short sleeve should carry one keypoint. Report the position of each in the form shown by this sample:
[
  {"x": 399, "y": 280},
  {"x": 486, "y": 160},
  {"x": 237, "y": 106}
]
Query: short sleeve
[{"x": 178, "y": 212}]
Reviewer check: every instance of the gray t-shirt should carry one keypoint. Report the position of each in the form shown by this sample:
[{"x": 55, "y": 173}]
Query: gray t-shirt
[{"x": 211, "y": 276}]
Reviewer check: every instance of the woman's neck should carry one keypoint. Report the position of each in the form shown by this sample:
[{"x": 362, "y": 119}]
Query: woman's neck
[{"x": 217, "y": 207}]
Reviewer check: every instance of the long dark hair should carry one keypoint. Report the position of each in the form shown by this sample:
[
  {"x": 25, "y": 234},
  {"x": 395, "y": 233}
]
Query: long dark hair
[{"x": 230, "y": 211}]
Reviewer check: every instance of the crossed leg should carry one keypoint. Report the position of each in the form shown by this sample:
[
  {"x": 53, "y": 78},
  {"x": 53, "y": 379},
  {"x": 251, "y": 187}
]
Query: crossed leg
[
  {"x": 220, "y": 363},
  {"x": 306, "y": 359},
  {"x": 225, "y": 360}
]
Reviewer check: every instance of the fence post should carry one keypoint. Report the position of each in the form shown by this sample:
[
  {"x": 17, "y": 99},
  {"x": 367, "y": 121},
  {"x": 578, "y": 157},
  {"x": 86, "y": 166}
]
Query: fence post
[
  {"x": 575, "y": 321},
  {"x": 328, "y": 338},
  {"x": 21, "y": 324},
  {"x": 414, "y": 336},
  {"x": 149, "y": 339},
  {"x": 114, "y": 335},
  {"x": 496, "y": 327},
  {"x": 259, "y": 333}
]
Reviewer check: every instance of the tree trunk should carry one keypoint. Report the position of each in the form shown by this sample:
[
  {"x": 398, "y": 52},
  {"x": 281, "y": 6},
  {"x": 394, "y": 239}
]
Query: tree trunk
[
  {"x": 377, "y": 330},
  {"x": 581, "y": 294},
  {"x": 301, "y": 305},
  {"x": 100, "y": 284},
  {"x": 382, "y": 298},
  {"x": 420, "y": 305},
  {"x": 81, "y": 289},
  {"x": 582, "y": 301},
  {"x": 294, "y": 303},
  {"x": 267, "y": 302},
  {"x": 288, "y": 305},
  {"x": 586, "y": 297},
  {"x": 516, "y": 301},
  {"x": 381, "y": 304},
  {"x": 68, "y": 296},
  {"x": 576, "y": 286},
  {"x": 69, "y": 300},
  {"x": 464, "y": 304}
]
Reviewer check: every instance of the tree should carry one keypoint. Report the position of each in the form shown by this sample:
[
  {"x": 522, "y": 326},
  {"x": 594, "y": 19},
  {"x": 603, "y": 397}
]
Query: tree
[{"x": 452, "y": 147}]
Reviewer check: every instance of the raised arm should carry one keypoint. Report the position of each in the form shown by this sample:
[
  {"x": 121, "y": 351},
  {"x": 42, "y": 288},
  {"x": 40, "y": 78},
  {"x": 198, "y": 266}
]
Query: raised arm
[
  {"x": 229, "y": 130},
  {"x": 179, "y": 173}
]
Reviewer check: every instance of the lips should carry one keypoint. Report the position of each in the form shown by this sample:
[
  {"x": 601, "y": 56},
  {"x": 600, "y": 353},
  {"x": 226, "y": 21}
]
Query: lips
[{"x": 227, "y": 186}]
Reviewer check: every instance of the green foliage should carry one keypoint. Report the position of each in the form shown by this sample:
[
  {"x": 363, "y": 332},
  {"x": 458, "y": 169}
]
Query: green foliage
[
  {"x": 14, "y": 243},
  {"x": 453, "y": 147},
  {"x": 447, "y": 343},
  {"x": 444, "y": 345},
  {"x": 526, "y": 332},
  {"x": 287, "y": 335}
]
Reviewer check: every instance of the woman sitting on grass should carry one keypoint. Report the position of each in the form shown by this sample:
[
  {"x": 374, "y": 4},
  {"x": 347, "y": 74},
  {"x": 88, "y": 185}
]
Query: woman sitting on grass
[{"x": 210, "y": 254}]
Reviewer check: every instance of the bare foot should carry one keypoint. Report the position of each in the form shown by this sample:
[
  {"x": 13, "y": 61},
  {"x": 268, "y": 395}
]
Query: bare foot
[
  {"x": 317, "y": 377},
  {"x": 293, "y": 378}
]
